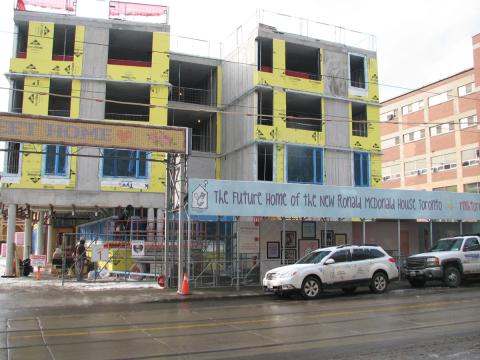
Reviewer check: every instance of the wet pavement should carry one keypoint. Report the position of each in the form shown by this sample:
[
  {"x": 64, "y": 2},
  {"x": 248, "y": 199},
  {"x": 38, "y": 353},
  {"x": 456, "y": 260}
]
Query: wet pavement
[{"x": 405, "y": 323}]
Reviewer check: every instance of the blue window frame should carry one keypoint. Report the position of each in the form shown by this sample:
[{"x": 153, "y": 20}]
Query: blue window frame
[
  {"x": 125, "y": 163},
  {"x": 361, "y": 168},
  {"x": 304, "y": 165},
  {"x": 55, "y": 160}
]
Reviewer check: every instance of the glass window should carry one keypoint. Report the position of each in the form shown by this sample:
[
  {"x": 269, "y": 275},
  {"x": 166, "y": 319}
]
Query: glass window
[
  {"x": 468, "y": 121},
  {"x": 414, "y": 136},
  {"x": 124, "y": 163},
  {"x": 472, "y": 188},
  {"x": 451, "y": 188},
  {"x": 416, "y": 167},
  {"x": 13, "y": 158},
  {"x": 444, "y": 162},
  {"x": 359, "y": 254},
  {"x": 357, "y": 71},
  {"x": 265, "y": 162},
  {"x": 390, "y": 115},
  {"x": 471, "y": 244},
  {"x": 470, "y": 157},
  {"x": 416, "y": 106},
  {"x": 374, "y": 253},
  {"x": 391, "y": 172},
  {"x": 361, "y": 169},
  {"x": 341, "y": 256},
  {"x": 438, "y": 99},
  {"x": 465, "y": 89},
  {"x": 442, "y": 128},
  {"x": 55, "y": 160},
  {"x": 388, "y": 143},
  {"x": 304, "y": 165}
]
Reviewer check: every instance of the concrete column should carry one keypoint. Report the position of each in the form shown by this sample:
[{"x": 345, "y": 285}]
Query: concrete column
[
  {"x": 363, "y": 231},
  {"x": 27, "y": 245},
  {"x": 50, "y": 239},
  {"x": 150, "y": 224},
  {"x": 460, "y": 223},
  {"x": 12, "y": 218},
  {"x": 40, "y": 243}
]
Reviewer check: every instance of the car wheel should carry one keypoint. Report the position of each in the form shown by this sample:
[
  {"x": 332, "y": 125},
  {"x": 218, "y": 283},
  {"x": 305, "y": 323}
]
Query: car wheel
[
  {"x": 311, "y": 288},
  {"x": 452, "y": 277},
  {"x": 416, "y": 283},
  {"x": 349, "y": 290},
  {"x": 379, "y": 283}
]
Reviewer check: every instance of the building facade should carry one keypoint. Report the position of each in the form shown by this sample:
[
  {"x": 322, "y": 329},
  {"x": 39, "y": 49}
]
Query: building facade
[
  {"x": 431, "y": 137},
  {"x": 277, "y": 107}
]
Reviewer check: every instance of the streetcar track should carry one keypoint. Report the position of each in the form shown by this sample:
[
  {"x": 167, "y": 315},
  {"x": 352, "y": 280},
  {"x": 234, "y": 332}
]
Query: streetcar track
[
  {"x": 354, "y": 310},
  {"x": 299, "y": 342},
  {"x": 234, "y": 330}
]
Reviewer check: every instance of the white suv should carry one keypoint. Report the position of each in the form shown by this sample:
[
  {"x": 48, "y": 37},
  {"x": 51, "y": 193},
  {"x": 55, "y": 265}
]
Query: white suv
[{"x": 345, "y": 267}]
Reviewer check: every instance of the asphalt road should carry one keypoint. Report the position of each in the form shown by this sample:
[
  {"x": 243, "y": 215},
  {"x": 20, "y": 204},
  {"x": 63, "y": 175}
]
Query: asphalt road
[{"x": 432, "y": 323}]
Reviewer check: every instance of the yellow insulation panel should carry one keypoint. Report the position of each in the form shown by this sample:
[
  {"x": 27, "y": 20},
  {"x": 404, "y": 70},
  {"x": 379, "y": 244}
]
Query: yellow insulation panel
[
  {"x": 376, "y": 170},
  {"x": 279, "y": 163}
]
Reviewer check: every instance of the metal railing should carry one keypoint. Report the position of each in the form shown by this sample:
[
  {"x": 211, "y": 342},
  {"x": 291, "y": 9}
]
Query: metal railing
[
  {"x": 123, "y": 116},
  {"x": 192, "y": 96}
]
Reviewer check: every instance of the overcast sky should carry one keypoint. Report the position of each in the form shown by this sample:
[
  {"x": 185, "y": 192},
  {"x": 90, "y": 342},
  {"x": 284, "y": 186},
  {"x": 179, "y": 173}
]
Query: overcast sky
[{"x": 418, "y": 42}]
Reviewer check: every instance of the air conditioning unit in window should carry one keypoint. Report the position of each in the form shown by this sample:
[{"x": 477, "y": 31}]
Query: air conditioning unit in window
[{"x": 390, "y": 117}]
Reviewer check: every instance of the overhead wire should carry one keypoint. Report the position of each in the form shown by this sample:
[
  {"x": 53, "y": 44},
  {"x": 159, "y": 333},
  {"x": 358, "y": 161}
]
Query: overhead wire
[
  {"x": 247, "y": 114},
  {"x": 168, "y": 53}
]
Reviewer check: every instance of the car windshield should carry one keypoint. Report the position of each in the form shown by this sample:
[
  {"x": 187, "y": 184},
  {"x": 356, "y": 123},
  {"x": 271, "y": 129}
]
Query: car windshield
[
  {"x": 313, "y": 257},
  {"x": 448, "y": 244}
]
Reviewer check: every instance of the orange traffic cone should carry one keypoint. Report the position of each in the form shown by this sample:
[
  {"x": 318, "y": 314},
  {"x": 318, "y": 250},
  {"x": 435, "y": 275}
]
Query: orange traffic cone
[
  {"x": 37, "y": 274},
  {"x": 185, "y": 287}
]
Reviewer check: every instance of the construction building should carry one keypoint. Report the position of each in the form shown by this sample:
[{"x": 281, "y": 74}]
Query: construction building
[
  {"x": 275, "y": 105},
  {"x": 431, "y": 137}
]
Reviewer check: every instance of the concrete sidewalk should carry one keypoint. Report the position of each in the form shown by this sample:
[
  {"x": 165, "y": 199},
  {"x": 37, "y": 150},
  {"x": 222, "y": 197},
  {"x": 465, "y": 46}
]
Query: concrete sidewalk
[{"x": 49, "y": 292}]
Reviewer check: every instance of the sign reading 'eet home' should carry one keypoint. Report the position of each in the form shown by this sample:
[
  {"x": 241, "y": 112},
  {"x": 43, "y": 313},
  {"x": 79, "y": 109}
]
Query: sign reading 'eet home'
[{"x": 75, "y": 132}]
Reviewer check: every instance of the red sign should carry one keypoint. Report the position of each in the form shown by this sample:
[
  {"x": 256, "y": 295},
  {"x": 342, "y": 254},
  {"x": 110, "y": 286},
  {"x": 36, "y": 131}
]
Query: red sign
[
  {"x": 127, "y": 10},
  {"x": 38, "y": 260},
  {"x": 64, "y": 6}
]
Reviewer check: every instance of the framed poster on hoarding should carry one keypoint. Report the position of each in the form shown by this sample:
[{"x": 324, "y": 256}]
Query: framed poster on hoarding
[
  {"x": 306, "y": 246},
  {"x": 308, "y": 229},
  {"x": 273, "y": 250}
]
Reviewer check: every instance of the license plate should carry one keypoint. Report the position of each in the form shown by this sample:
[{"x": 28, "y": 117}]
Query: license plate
[{"x": 412, "y": 273}]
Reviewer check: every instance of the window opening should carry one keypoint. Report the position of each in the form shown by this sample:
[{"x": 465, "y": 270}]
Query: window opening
[
  {"x": 265, "y": 108},
  {"x": 63, "y": 42},
  {"x": 124, "y": 163},
  {"x": 304, "y": 112},
  {"x": 13, "y": 158},
  {"x": 304, "y": 165},
  {"x": 60, "y": 105},
  {"x": 55, "y": 160},
  {"x": 265, "y": 162},
  {"x": 265, "y": 55},
  {"x": 302, "y": 61},
  {"x": 361, "y": 165},
  {"x": 357, "y": 71},
  {"x": 359, "y": 120}
]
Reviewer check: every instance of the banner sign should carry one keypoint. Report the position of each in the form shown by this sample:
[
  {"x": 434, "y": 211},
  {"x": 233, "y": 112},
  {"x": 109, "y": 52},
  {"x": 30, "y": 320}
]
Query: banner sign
[
  {"x": 258, "y": 198},
  {"x": 106, "y": 134}
]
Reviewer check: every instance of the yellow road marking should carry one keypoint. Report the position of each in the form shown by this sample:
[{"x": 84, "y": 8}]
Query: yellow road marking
[{"x": 273, "y": 318}]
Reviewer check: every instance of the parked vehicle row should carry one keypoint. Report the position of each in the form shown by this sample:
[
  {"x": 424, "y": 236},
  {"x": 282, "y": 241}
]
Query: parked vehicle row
[
  {"x": 450, "y": 260},
  {"x": 349, "y": 266},
  {"x": 345, "y": 267}
]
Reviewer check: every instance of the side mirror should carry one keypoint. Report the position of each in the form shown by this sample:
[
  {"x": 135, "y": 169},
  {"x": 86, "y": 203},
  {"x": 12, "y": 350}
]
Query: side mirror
[{"x": 330, "y": 261}]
